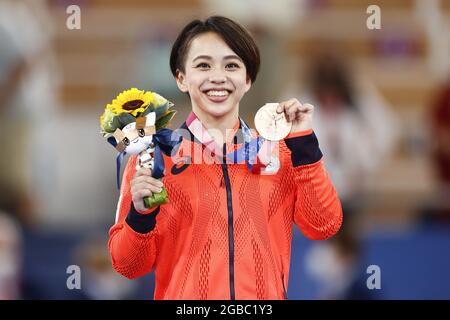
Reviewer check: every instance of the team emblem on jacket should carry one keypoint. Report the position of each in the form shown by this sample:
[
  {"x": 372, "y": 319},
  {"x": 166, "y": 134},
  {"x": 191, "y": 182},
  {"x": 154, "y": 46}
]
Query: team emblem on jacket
[
  {"x": 272, "y": 167},
  {"x": 181, "y": 165}
]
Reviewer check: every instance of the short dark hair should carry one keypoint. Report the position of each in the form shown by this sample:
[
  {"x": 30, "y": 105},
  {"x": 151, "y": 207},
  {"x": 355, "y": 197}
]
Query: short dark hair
[{"x": 234, "y": 35}]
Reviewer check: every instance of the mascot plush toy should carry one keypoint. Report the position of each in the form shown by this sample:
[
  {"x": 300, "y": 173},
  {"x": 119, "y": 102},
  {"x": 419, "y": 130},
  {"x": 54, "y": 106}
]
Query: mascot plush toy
[{"x": 135, "y": 123}]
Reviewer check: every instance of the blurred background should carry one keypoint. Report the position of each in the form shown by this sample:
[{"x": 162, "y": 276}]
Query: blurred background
[{"x": 382, "y": 102}]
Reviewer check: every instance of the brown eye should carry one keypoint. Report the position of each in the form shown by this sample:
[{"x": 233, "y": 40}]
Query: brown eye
[
  {"x": 126, "y": 141},
  {"x": 202, "y": 65},
  {"x": 232, "y": 66},
  {"x": 141, "y": 132}
]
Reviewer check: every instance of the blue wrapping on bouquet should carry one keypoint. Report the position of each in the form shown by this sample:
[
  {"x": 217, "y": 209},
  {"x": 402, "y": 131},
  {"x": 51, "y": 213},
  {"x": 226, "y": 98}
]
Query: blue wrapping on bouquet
[{"x": 165, "y": 140}]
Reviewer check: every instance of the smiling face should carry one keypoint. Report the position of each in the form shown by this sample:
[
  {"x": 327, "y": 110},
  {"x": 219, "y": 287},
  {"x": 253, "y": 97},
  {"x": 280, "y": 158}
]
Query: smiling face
[
  {"x": 215, "y": 77},
  {"x": 136, "y": 136},
  {"x": 139, "y": 141}
]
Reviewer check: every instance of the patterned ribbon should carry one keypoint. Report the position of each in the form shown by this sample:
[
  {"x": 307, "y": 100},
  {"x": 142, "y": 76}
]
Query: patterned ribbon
[{"x": 254, "y": 150}]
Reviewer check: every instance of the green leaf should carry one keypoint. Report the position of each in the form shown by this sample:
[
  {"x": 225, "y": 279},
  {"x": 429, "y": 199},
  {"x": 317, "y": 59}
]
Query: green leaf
[
  {"x": 150, "y": 108},
  {"x": 125, "y": 118},
  {"x": 161, "y": 109},
  {"x": 164, "y": 120},
  {"x": 114, "y": 125}
]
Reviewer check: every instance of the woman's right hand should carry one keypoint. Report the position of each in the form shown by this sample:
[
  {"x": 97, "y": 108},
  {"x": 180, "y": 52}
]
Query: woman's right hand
[{"x": 144, "y": 185}]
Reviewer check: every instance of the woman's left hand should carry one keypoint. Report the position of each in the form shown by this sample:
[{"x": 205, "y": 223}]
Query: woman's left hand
[{"x": 299, "y": 114}]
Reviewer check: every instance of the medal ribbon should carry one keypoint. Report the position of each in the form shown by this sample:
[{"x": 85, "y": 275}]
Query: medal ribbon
[{"x": 255, "y": 150}]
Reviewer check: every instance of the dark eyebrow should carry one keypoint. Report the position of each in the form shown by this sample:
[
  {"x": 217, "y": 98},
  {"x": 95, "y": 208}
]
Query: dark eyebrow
[
  {"x": 233, "y": 56},
  {"x": 202, "y": 57}
]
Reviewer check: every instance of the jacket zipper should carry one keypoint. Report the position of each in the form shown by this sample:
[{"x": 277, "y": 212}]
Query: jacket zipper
[
  {"x": 284, "y": 288},
  {"x": 230, "y": 223}
]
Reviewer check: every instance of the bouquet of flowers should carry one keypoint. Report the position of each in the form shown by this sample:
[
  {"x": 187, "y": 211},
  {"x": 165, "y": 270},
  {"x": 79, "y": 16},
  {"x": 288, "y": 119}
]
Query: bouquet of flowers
[{"x": 135, "y": 123}]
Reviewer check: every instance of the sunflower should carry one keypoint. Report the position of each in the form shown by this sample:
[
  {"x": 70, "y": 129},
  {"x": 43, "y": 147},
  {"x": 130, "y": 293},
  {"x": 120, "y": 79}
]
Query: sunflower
[{"x": 131, "y": 101}]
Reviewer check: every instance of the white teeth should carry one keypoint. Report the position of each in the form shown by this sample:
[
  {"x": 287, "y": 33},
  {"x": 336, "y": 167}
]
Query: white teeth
[{"x": 217, "y": 93}]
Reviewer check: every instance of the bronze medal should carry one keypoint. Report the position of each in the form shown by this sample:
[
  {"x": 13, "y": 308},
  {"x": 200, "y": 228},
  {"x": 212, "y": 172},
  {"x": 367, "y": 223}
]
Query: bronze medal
[{"x": 270, "y": 124}]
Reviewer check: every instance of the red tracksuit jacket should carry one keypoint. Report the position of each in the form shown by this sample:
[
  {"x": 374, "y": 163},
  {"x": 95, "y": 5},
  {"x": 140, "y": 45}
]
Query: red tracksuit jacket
[{"x": 226, "y": 232}]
